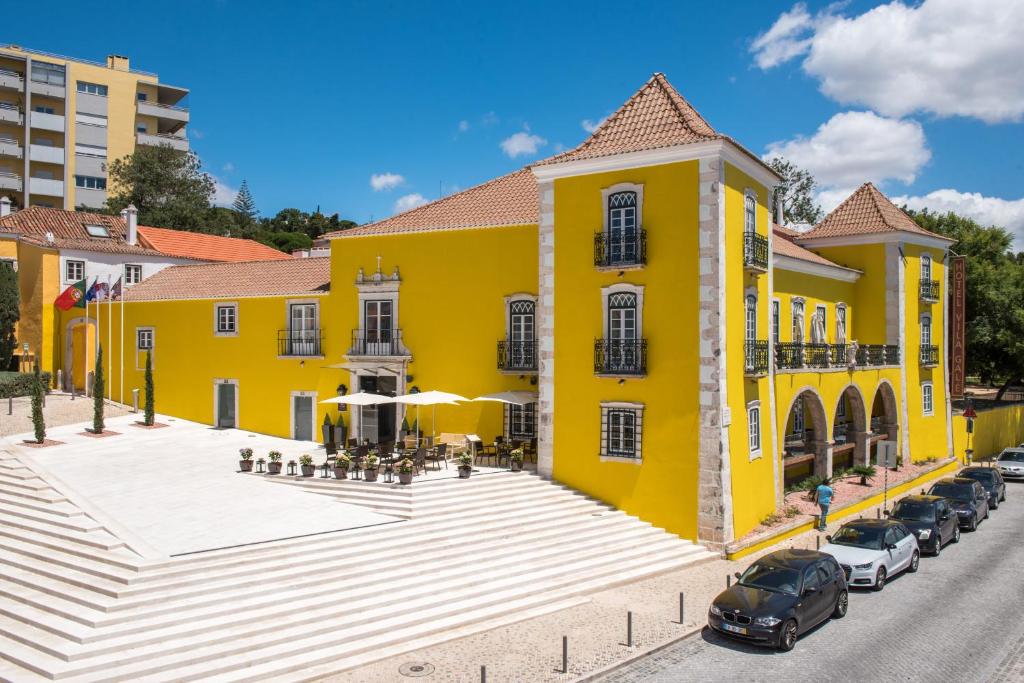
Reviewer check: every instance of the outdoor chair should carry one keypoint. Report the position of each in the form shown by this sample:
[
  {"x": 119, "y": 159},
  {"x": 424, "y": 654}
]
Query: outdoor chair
[
  {"x": 419, "y": 460},
  {"x": 438, "y": 454}
]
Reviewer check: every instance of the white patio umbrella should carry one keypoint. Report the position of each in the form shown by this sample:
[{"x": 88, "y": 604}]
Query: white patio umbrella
[
  {"x": 428, "y": 398},
  {"x": 516, "y": 398},
  {"x": 360, "y": 398}
]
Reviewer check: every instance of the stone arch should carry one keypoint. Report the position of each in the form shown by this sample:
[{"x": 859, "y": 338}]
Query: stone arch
[
  {"x": 850, "y": 432},
  {"x": 813, "y": 441},
  {"x": 884, "y": 412}
]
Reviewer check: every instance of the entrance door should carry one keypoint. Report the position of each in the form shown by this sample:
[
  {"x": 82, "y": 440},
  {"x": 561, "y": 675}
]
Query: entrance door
[
  {"x": 302, "y": 409},
  {"x": 226, "y": 406},
  {"x": 78, "y": 357},
  {"x": 378, "y": 421}
]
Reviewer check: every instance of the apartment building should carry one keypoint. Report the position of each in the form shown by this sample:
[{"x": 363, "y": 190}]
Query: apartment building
[{"x": 62, "y": 120}]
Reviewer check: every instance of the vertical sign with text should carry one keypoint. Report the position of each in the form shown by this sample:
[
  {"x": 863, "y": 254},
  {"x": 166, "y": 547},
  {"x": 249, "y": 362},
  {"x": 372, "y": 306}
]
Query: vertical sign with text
[{"x": 958, "y": 357}]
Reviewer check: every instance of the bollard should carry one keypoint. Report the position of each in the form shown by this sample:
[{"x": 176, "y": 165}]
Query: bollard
[
  {"x": 817, "y": 542},
  {"x": 483, "y": 674},
  {"x": 728, "y": 580},
  {"x": 10, "y": 405},
  {"x": 629, "y": 629},
  {"x": 681, "y": 605},
  {"x": 878, "y": 513},
  {"x": 135, "y": 400},
  {"x": 565, "y": 654}
]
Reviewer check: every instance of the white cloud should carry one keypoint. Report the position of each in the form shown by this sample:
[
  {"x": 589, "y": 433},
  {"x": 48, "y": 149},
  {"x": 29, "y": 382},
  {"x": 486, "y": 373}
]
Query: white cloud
[
  {"x": 223, "y": 194},
  {"x": 590, "y": 125},
  {"x": 228, "y": 167},
  {"x": 463, "y": 126},
  {"x": 522, "y": 143},
  {"x": 1008, "y": 213},
  {"x": 490, "y": 119},
  {"x": 858, "y": 146},
  {"x": 410, "y": 201},
  {"x": 944, "y": 57},
  {"x": 385, "y": 181}
]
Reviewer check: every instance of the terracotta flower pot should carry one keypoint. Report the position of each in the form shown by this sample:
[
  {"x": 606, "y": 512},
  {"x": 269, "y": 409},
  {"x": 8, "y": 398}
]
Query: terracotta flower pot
[
  {"x": 405, "y": 477},
  {"x": 341, "y": 473},
  {"x": 464, "y": 472},
  {"x": 273, "y": 468},
  {"x": 308, "y": 470},
  {"x": 245, "y": 465},
  {"x": 371, "y": 475}
]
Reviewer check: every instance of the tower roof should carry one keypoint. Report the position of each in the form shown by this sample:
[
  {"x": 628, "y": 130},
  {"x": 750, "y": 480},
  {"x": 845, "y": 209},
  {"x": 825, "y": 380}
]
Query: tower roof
[{"x": 865, "y": 212}]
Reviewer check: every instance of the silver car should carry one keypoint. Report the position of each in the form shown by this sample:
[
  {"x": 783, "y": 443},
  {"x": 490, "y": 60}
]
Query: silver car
[{"x": 1011, "y": 463}]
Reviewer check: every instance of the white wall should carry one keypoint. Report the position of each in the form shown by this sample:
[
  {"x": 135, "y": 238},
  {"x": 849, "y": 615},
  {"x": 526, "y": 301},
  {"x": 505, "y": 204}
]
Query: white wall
[{"x": 112, "y": 265}]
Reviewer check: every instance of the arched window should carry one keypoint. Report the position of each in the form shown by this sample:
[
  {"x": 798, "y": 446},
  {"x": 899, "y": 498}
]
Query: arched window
[
  {"x": 776, "y": 320},
  {"x": 622, "y": 316},
  {"x": 622, "y": 227},
  {"x": 751, "y": 317},
  {"x": 798, "y": 321},
  {"x": 840, "y": 323},
  {"x": 749, "y": 214},
  {"x": 926, "y": 268},
  {"x": 926, "y": 330}
]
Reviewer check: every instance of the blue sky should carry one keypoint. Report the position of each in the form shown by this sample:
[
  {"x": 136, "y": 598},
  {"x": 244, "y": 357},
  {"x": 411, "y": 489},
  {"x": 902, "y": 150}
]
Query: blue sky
[{"x": 308, "y": 101}]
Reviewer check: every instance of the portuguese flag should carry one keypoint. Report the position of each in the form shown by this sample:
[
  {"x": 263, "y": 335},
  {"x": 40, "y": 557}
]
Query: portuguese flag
[{"x": 72, "y": 297}]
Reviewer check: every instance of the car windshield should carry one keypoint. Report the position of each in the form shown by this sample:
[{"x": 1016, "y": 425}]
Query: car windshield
[
  {"x": 1012, "y": 456},
  {"x": 959, "y": 492},
  {"x": 860, "y": 537},
  {"x": 914, "y": 511},
  {"x": 984, "y": 476},
  {"x": 771, "y": 578}
]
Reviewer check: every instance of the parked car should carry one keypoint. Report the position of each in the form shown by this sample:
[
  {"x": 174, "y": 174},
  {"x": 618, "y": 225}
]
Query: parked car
[
  {"x": 990, "y": 480},
  {"x": 870, "y": 551},
  {"x": 930, "y": 518},
  {"x": 1011, "y": 463},
  {"x": 968, "y": 498},
  {"x": 779, "y": 597}
]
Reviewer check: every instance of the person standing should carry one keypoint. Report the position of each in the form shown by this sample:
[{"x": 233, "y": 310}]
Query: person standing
[{"x": 823, "y": 494}]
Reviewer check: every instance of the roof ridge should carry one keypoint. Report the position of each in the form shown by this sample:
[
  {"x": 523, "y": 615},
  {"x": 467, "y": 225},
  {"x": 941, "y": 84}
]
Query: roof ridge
[{"x": 679, "y": 102}]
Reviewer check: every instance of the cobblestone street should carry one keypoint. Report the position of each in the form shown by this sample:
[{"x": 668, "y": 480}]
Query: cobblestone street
[{"x": 957, "y": 619}]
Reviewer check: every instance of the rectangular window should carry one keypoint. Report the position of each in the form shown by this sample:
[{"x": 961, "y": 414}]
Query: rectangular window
[
  {"x": 142, "y": 97},
  {"x": 132, "y": 274},
  {"x": 88, "y": 182},
  {"x": 820, "y": 330},
  {"x": 798, "y": 322},
  {"x": 378, "y": 321},
  {"x": 754, "y": 429},
  {"x": 141, "y": 128},
  {"x": 927, "y": 399},
  {"x": 97, "y": 230},
  {"x": 841, "y": 408},
  {"x": 776, "y": 316},
  {"x": 44, "y": 72},
  {"x": 749, "y": 215},
  {"x": 144, "y": 338},
  {"x": 227, "y": 315},
  {"x": 522, "y": 422},
  {"x": 840, "y": 324},
  {"x": 926, "y": 330},
  {"x": 621, "y": 427},
  {"x": 91, "y": 151},
  {"x": 74, "y": 271},
  {"x": 43, "y": 109},
  {"x": 92, "y": 88},
  {"x": 798, "y": 416}
]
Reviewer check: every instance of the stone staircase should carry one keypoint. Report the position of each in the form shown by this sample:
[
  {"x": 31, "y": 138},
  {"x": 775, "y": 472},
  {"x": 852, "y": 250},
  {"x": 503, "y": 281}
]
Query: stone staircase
[{"x": 78, "y": 605}]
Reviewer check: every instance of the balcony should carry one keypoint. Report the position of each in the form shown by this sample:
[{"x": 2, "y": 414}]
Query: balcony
[
  {"x": 9, "y": 147},
  {"x": 755, "y": 358},
  {"x": 47, "y": 89},
  {"x": 621, "y": 250},
  {"x": 755, "y": 252},
  {"x": 302, "y": 343},
  {"x": 46, "y": 186},
  {"x": 377, "y": 343},
  {"x": 929, "y": 355},
  {"x": 930, "y": 291},
  {"x": 517, "y": 356},
  {"x": 620, "y": 357},
  {"x": 11, "y": 113},
  {"x": 875, "y": 355},
  {"x": 10, "y": 181},
  {"x": 795, "y": 355},
  {"x": 46, "y": 154},
  {"x": 178, "y": 142},
  {"x": 176, "y": 116},
  {"x": 44, "y": 121},
  {"x": 12, "y": 80}
]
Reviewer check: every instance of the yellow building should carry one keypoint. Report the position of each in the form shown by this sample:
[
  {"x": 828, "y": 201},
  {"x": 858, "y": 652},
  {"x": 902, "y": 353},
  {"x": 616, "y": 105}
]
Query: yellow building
[
  {"x": 689, "y": 357},
  {"x": 62, "y": 120}
]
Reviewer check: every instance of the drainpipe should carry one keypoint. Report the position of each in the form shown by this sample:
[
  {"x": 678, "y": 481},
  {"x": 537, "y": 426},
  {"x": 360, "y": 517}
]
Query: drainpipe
[{"x": 131, "y": 218}]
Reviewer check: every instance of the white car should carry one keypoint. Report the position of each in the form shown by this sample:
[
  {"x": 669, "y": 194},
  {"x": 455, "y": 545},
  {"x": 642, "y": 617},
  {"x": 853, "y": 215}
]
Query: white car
[
  {"x": 1011, "y": 463},
  {"x": 872, "y": 550}
]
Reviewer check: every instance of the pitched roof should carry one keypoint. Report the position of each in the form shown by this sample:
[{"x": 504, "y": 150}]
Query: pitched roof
[
  {"x": 783, "y": 245},
  {"x": 512, "y": 199},
  {"x": 203, "y": 247},
  {"x": 68, "y": 230},
  {"x": 285, "y": 277},
  {"x": 655, "y": 116},
  {"x": 866, "y": 212}
]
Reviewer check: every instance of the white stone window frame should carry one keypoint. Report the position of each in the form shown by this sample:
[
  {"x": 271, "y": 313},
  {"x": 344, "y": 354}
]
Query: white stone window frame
[
  {"x": 754, "y": 410},
  {"x": 621, "y": 288},
  {"x": 822, "y": 309},
  {"x": 77, "y": 263},
  {"x": 638, "y": 410},
  {"x": 217, "y": 307},
  {"x": 749, "y": 194},
  {"x": 224, "y": 380},
  {"x": 142, "y": 351},
  {"x": 291, "y": 411},
  {"x": 927, "y": 398},
  {"x": 128, "y": 268},
  {"x": 748, "y": 294},
  {"x": 288, "y": 303},
  {"x": 384, "y": 290},
  {"x": 802, "y": 303},
  {"x": 842, "y": 313},
  {"x": 509, "y": 300},
  {"x": 926, "y": 323},
  {"x": 926, "y": 267},
  {"x": 775, "y": 322},
  {"x": 607, "y": 192}
]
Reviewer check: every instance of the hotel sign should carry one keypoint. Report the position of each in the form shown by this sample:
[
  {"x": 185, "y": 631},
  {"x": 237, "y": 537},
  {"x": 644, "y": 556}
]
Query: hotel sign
[{"x": 958, "y": 357}]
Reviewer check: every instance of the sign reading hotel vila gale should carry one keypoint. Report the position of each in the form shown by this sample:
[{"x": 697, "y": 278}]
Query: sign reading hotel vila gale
[{"x": 958, "y": 371}]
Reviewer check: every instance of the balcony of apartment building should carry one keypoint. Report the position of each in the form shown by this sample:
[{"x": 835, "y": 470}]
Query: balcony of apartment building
[
  {"x": 755, "y": 252},
  {"x": 517, "y": 356},
  {"x": 818, "y": 356},
  {"x": 11, "y": 80},
  {"x": 10, "y": 147},
  {"x": 620, "y": 248},
  {"x": 47, "y": 80},
  {"x": 302, "y": 343},
  {"x": 929, "y": 355},
  {"x": 177, "y": 141},
  {"x": 46, "y": 153},
  {"x": 930, "y": 291},
  {"x": 755, "y": 357},
  {"x": 10, "y": 181},
  {"x": 46, "y": 186},
  {"x": 620, "y": 357},
  {"x": 377, "y": 343},
  {"x": 11, "y": 112},
  {"x": 46, "y": 118}
]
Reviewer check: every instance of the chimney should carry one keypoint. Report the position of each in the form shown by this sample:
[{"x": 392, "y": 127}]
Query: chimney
[
  {"x": 5, "y": 206},
  {"x": 131, "y": 215},
  {"x": 117, "y": 62},
  {"x": 778, "y": 209}
]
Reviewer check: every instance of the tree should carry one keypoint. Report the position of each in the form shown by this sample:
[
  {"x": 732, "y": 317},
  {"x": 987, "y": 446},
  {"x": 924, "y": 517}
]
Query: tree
[
  {"x": 38, "y": 420},
  {"x": 148, "y": 415},
  {"x": 796, "y": 192},
  {"x": 286, "y": 241},
  {"x": 165, "y": 185},
  {"x": 98, "y": 389},
  {"x": 245, "y": 205},
  {"x": 994, "y": 295},
  {"x": 9, "y": 314}
]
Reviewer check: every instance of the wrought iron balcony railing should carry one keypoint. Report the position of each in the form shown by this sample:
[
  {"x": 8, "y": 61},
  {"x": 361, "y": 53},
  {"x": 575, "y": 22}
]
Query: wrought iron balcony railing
[
  {"x": 930, "y": 290},
  {"x": 789, "y": 355},
  {"x": 792, "y": 355},
  {"x": 620, "y": 356},
  {"x": 300, "y": 342},
  {"x": 755, "y": 251},
  {"x": 756, "y": 357},
  {"x": 377, "y": 343},
  {"x": 620, "y": 249},
  {"x": 929, "y": 355},
  {"x": 517, "y": 355}
]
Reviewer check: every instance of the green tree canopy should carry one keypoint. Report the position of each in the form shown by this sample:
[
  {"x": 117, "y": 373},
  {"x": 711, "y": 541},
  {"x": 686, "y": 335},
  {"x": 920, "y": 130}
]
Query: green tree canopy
[
  {"x": 9, "y": 314},
  {"x": 796, "y": 192},
  {"x": 165, "y": 185},
  {"x": 245, "y": 205}
]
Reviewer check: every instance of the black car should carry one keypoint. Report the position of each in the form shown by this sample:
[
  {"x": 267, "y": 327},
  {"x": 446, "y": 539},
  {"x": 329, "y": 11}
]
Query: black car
[
  {"x": 780, "y": 596},
  {"x": 968, "y": 498},
  {"x": 930, "y": 518},
  {"x": 990, "y": 480}
]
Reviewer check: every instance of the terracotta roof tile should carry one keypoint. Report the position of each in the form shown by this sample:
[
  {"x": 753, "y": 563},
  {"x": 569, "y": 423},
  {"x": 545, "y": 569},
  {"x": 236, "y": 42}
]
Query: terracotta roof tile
[
  {"x": 865, "y": 212},
  {"x": 285, "y": 277},
  {"x": 68, "y": 229},
  {"x": 512, "y": 199},
  {"x": 203, "y": 247},
  {"x": 783, "y": 245}
]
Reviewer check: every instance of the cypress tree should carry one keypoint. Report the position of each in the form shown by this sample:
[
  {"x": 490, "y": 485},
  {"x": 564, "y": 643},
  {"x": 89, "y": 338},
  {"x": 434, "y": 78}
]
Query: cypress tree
[
  {"x": 148, "y": 418},
  {"x": 38, "y": 421},
  {"x": 97, "y": 393},
  {"x": 9, "y": 313},
  {"x": 245, "y": 206}
]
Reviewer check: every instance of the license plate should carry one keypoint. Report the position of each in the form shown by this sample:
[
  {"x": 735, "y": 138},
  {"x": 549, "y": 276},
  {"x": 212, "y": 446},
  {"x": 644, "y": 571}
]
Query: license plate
[{"x": 734, "y": 629}]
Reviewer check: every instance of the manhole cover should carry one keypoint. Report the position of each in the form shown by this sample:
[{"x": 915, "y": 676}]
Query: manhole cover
[{"x": 416, "y": 669}]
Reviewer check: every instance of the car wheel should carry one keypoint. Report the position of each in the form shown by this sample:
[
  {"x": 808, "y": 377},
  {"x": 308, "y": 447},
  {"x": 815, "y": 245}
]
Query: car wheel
[
  {"x": 938, "y": 545},
  {"x": 1002, "y": 496},
  {"x": 879, "y": 579},
  {"x": 987, "y": 509},
  {"x": 915, "y": 562},
  {"x": 956, "y": 534},
  {"x": 994, "y": 505},
  {"x": 841, "y": 605},
  {"x": 974, "y": 524},
  {"x": 788, "y": 638}
]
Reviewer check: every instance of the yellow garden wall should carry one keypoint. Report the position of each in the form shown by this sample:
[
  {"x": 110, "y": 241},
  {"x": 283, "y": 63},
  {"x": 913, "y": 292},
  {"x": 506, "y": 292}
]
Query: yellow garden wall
[{"x": 994, "y": 430}]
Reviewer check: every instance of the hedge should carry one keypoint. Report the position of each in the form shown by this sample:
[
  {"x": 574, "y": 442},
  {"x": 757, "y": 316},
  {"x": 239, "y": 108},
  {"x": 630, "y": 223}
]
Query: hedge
[{"x": 20, "y": 383}]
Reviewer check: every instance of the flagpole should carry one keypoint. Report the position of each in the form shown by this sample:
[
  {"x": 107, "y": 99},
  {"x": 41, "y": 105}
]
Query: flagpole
[
  {"x": 121, "y": 296},
  {"x": 110, "y": 338},
  {"x": 88, "y": 334}
]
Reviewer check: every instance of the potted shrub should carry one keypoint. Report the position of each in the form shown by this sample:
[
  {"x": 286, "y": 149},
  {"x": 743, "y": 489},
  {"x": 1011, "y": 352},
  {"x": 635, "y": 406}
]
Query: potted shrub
[
  {"x": 370, "y": 466},
  {"x": 274, "y": 466},
  {"x": 515, "y": 459},
  {"x": 342, "y": 464},
  {"x": 465, "y": 465},
  {"x": 308, "y": 468},
  {"x": 405, "y": 469},
  {"x": 245, "y": 463}
]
